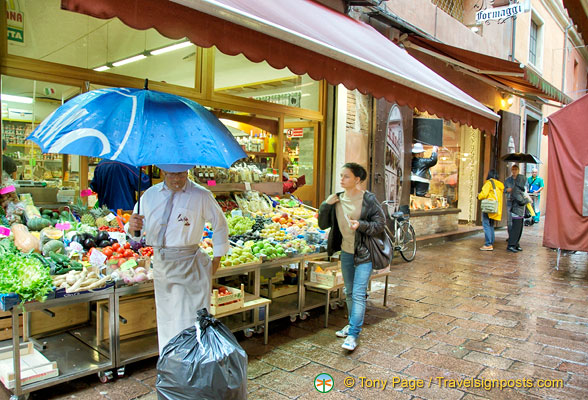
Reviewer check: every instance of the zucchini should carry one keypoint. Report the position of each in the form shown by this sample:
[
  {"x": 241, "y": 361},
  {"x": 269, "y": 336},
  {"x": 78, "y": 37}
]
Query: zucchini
[{"x": 59, "y": 258}]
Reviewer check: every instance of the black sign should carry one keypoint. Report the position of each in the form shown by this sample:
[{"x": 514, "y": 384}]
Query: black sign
[{"x": 428, "y": 131}]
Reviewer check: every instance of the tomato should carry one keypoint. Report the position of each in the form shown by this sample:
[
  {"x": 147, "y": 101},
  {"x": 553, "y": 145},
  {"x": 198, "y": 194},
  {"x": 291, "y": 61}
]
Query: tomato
[
  {"x": 128, "y": 253},
  {"x": 127, "y": 245},
  {"x": 116, "y": 247},
  {"x": 107, "y": 252},
  {"x": 121, "y": 261}
]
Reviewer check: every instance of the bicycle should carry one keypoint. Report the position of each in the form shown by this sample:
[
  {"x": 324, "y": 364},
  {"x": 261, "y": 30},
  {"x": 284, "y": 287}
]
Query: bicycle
[{"x": 403, "y": 238}]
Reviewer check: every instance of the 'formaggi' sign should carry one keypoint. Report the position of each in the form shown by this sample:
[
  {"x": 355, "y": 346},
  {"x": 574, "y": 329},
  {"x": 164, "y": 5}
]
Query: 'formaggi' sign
[{"x": 501, "y": 13}]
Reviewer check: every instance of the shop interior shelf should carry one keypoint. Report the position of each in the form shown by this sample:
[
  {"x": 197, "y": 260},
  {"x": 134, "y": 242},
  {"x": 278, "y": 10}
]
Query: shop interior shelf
[
  {"x": 138, "y": 348},
  {"x": 87, "y": 335},
  {"x": 314, "y": 300},
  {"x": 284, "y": 306},
  {"x": 74, "y": 360}
]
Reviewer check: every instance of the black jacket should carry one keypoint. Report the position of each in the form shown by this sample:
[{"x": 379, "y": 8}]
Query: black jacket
[
  {"x": 372, "y": 221},
  {"x": 518, "y": 200},
  {"x": 420, "y": 166}
]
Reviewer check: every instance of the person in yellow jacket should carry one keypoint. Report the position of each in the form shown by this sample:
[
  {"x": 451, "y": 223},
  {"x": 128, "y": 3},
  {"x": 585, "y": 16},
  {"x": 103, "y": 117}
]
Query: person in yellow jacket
[{"x": 489, "y": 192}]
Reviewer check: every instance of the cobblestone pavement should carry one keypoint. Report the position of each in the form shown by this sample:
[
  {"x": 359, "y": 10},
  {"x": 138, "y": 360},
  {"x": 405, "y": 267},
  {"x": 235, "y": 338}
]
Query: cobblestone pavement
[{"x": 454, "y": 313}]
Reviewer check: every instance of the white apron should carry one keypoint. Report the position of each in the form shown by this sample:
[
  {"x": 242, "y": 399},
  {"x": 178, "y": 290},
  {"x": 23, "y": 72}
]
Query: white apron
[{"x": 182, "y": 277}]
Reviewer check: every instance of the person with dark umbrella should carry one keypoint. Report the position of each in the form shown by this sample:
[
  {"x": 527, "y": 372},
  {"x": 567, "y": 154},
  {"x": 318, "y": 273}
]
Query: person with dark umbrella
[{"x": 519, "y": 200}]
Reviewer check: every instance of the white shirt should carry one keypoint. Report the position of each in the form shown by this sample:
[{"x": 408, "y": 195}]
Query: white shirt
[{"x": 192, "y": 208}]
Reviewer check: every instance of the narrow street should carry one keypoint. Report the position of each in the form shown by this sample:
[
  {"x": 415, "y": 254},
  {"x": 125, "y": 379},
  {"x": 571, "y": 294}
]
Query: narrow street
[{"x": 453, "y": 313}]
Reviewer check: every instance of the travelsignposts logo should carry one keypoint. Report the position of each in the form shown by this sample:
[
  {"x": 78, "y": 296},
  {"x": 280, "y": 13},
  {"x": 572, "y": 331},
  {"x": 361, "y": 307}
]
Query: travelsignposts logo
[{"x": 323, "y": 383}]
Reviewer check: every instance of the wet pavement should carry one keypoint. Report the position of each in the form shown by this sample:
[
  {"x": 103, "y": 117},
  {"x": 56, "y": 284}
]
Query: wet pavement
[{"x": 457, "y": 320}]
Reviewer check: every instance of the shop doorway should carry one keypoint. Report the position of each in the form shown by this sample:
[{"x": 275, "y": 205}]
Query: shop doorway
[
  {"x": 301, "y": 158},
  {"x": 532, "y": 137}
]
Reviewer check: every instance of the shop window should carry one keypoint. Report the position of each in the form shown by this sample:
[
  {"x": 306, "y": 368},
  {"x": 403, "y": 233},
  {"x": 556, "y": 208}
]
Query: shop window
[
  {"x": 25, "y": 104},
  {"x": 453, "y": 179},
  {"x": 238, "y": 76},
  {"x": 54, "y": 35}
]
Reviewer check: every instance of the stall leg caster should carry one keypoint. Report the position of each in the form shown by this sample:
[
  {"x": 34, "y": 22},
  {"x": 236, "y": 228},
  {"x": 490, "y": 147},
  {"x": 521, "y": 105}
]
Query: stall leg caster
[
  {"x": 120, "y": 372},
  {"x": 105, "y": 376},
  {"x": 21, "y": 397},
  {"x": 248, "y": 332},
  {"x": 304, "y": 315},
  {"x": 259, "y": 329},
  {"x": 293, "y": 318}
]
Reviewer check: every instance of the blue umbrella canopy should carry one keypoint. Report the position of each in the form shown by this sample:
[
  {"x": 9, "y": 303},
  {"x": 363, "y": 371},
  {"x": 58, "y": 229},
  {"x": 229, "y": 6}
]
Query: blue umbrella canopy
[{"x": 138, "y": 127}]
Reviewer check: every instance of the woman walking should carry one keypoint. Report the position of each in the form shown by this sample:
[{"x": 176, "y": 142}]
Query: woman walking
[
  {"x": 519, "y": 200},
  {"x": 351, "y": 214},
  {"x": 492, "y": 190}
]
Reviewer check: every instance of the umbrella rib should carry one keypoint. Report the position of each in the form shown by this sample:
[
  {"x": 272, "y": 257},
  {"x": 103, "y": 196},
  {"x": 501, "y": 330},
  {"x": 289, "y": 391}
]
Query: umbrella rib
[{"x": 130, "y": 127}]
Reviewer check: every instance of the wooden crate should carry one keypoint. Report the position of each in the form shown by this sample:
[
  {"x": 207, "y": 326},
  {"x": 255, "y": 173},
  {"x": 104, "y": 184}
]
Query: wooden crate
[
  {"x": 223, "y": 304},
  {"x": 65, "y": 317},
  {"x": 6, "y": 325},
  {"x": 138, "y": 311},
  {"x": 331, "y": 275},
  {"x": 278, "y": 290},
  {"x": 34, "y": 366}
]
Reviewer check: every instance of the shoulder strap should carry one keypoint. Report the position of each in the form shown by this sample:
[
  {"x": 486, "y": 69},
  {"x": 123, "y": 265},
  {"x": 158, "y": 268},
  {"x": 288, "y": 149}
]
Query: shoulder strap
[{"x": 494, "y": 187}]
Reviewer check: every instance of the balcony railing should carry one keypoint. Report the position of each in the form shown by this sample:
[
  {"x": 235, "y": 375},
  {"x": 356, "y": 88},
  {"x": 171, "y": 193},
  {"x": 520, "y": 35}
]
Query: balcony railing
[{"x": 451, "y": 7}]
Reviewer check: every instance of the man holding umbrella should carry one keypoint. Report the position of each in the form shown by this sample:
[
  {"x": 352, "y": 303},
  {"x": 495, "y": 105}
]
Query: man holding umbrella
[{"x": 173, "y": 214}]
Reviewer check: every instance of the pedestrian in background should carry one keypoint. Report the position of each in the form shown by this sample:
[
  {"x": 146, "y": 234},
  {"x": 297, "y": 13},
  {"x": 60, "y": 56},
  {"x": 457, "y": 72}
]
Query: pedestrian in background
[
  {"x": 117, "y": 183},
  {"x": 350, "y": 214},
  {"x": 493, "y": 189},
  {"x": 536, "y": 185},
  {"x": 509, "y": 184},
  {"x": 519, "y": 200}
]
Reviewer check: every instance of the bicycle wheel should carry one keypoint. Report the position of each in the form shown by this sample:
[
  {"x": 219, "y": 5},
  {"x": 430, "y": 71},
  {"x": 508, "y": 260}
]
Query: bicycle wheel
[{"x": 408, "y": 245}]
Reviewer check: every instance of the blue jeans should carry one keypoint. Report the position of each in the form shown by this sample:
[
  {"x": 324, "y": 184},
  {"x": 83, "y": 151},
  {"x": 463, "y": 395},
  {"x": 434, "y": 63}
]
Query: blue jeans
[
  {"x": 356, "y": 280},
  {"x": 488, "y": 225}
]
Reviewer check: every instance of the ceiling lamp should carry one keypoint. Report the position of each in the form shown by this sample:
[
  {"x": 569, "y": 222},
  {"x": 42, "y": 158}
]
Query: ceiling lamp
[
  {"x": 17, "y": 99},
  {"x": 129, "y": 60},
  {"x": 173, "y": 47}
]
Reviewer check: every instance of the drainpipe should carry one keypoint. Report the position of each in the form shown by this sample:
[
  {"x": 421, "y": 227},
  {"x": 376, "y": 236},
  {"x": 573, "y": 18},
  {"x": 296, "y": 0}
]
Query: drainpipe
[
  {"x": 565, "y": 58},
  {"x": 513, "y": 36}
]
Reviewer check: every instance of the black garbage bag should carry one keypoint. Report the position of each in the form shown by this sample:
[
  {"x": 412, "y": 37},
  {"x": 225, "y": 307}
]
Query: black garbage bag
[{"x": 203, "y": 362}]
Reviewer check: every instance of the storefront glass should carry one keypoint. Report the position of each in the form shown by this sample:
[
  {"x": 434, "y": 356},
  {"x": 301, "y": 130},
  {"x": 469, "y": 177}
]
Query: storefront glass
[
  {"x": 238, "y": 76},
  {"x": 51, "y": 34},
  {"x": 454, "y": 178},
  {"x": 25, "y": 104}
]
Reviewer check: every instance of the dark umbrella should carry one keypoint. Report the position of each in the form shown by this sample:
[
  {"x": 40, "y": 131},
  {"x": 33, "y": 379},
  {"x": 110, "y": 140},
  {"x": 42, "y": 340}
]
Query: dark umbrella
[{"x": 521, "y": 158}]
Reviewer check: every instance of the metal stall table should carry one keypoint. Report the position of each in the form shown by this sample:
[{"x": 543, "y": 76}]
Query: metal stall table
[{"x": 76, "y": 351}]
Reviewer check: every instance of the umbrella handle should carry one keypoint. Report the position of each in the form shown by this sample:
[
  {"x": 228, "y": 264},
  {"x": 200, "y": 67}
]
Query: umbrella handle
[{"x": 138, "y": 233}]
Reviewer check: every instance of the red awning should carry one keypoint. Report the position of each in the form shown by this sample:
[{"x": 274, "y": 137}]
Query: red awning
[
  {"x": 578, "y": 14},
  {"x": 306, "y": 37},
  {"x": 566, "y": 215},
  {"x": 513, "y": 75}
]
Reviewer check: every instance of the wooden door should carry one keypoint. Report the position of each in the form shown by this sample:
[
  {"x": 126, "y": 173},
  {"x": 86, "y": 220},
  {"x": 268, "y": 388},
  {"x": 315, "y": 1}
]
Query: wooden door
[
  {"x": 390, "y": 153},
  {"x": 509, "y": 127}
]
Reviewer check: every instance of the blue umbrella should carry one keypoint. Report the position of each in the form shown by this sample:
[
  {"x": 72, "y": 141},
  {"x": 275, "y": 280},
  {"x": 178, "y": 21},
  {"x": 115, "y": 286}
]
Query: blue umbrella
[{"x": 138, "y": 127}]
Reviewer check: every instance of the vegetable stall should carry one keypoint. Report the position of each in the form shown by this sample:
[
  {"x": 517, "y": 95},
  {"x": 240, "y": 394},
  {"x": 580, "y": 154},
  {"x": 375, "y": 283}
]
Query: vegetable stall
[{"x": 71, "y": 275}]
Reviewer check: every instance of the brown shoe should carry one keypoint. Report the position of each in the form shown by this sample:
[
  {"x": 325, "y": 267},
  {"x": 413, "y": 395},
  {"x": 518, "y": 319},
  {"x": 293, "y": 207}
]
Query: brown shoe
[{"x": 486, "y": 248}]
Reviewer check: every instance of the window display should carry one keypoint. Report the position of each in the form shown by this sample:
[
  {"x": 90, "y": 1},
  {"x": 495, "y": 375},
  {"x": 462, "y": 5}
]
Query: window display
[
  {"x": 456, "y": 165},
  {"x": 25, "y": 104}
]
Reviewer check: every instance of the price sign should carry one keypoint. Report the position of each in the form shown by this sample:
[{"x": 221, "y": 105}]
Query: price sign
[{"x": 97, "y": 259}]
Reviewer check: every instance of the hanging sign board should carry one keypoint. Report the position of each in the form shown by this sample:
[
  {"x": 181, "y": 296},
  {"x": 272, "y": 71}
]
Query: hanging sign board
[
  {"x": 428, "y": 131},
  {"x": 295, "y": 133},
  {"x": 14, "y": 23},
  {"x": 503, "y": 13}
]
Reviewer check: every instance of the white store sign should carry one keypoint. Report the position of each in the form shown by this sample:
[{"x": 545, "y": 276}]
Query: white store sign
[{"x": 503, "y": 12}]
